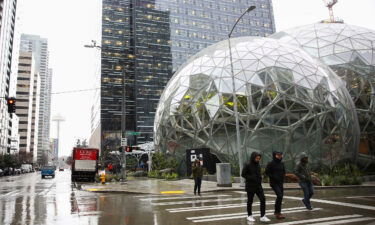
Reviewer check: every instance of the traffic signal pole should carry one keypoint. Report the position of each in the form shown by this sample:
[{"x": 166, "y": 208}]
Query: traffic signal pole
[{"x": 123, "y": 128}]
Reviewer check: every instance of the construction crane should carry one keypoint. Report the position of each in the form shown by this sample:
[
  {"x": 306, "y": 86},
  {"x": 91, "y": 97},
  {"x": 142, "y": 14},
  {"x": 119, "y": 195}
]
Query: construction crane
[{"x": 329, "y": 5}]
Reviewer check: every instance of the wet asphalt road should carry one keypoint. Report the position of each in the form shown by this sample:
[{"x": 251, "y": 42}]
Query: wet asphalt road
[{"x": 28, "y": 199}]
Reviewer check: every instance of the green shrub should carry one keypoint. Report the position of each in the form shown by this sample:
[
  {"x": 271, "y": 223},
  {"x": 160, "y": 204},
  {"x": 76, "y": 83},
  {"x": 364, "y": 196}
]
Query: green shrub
[
  {"x": 154, "y": 174},
  {"x": 341, "y": 174},
  {"x": 171, "y": 176}
]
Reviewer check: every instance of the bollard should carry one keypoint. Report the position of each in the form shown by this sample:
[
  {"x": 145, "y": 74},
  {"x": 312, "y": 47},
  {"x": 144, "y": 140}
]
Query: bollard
[{"x": 223, "y": 174}]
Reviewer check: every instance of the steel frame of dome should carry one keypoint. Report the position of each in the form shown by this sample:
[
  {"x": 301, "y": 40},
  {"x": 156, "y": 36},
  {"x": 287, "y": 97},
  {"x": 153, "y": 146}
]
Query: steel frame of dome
[
  {"x": 287, "y": 101},
  {"x": 350, "y": 52}
]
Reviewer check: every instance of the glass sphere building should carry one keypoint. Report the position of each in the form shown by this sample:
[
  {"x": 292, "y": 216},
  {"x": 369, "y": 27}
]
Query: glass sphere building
[
  {"x": 287, "y": 101},
  {"x": 350, "y": 52}
]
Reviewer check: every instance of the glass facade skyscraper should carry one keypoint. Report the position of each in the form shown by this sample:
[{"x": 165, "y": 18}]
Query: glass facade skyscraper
[{"x": 143, "y": 44}]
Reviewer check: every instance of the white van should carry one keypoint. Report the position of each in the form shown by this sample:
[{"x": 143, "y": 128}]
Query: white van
[{"x": 26, "y": 168}]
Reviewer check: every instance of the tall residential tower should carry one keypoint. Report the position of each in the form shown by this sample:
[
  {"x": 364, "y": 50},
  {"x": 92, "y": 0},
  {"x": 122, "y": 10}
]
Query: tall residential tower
[
  {"x": 39, "y": 47},
  {"x": 8, "y": 69}
]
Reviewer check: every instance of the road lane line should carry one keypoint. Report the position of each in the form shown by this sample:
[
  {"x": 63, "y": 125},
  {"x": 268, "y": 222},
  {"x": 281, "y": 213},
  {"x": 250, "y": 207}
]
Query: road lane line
[
  {"x": 320, "y": 219},
  {"x": 236, "y": 214},
  {"x": 198, "y": 201},
  {"x": 329, "y": 202},
  {"x": 245, "y": 215},
  {"x": 345, "y": 221},
  {"x": 211, "y": 207},
  {"x": 186, "y": 197}
]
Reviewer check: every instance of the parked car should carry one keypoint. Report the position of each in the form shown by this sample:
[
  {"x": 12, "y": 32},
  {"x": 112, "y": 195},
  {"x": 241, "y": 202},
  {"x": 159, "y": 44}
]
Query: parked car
[
  {"x": 48, "y": 171},
  {"x": 8, "y": 171},
  {"x": 17, "y": 171}
]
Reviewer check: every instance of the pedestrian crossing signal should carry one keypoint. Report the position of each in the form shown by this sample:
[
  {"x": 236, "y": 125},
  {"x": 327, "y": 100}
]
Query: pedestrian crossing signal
[
  {"x": 11, "y": 102},
  {"x": 129, "y": 149}
]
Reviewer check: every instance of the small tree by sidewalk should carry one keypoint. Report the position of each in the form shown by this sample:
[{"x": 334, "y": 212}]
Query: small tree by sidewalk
[{"x": 163, "y": 166}]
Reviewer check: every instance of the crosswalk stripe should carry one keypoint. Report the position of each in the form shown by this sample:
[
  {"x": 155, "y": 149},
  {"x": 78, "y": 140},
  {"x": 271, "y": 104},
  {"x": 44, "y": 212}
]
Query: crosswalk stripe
[
  {"x": 145, "y": 195},
  {"x": 368, "y": 196},
  {"x": 319, "y": 219},
  {"x": 15, "y": 192},
  {"x": 345, "y": 221},
  {"x": 235, "y": 214},
  {"x": 245, "y": 215},
  {"x": 198, "y": 201},
  {"x": 329, "y": 202},
  {"x": 202, "y": 208},
  {"x": 185, "y": 197}
]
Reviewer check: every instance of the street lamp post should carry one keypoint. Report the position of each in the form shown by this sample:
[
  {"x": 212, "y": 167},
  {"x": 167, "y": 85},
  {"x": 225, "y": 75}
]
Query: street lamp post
[
  {"x": 235, "y": 105},
  {"x": 123, "y": 117}
]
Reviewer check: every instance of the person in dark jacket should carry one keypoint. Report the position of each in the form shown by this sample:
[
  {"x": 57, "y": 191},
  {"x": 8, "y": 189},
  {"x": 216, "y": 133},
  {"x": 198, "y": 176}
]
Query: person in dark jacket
[
  {"x": 197, "y": 175},
  {"x": 253, "y": 178},
  {"x": 275, "y": 170},
  {"x": 303, "y": 172}
]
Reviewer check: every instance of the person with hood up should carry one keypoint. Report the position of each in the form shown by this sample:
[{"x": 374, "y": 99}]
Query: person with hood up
[
  {"x": 303, "y": 172},
  {"x": 275, "y": 170},
  {"x": 197, "y": 175},
  {"x": 253, "y": 178}
]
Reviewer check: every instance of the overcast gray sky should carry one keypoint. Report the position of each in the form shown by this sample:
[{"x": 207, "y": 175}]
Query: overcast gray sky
[{"x": 69, "y": 24}]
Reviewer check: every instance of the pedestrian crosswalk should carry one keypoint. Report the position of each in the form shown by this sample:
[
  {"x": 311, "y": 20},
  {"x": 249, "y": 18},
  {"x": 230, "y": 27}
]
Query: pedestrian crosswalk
[{"x": 231, "y": 207}]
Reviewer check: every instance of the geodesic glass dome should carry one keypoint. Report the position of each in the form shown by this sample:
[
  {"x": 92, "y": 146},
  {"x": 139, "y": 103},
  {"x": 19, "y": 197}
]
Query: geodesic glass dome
[
  {"x": 287, "y": 101},
  {"x": 350, "y": 52}
]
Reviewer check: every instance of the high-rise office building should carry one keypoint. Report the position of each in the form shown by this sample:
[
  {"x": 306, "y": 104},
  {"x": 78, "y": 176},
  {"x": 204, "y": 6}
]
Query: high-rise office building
[
  {"x": 143, "y": 44},
  {"x": 39, "y": 47},
  {"x": 8, "y": 69}
]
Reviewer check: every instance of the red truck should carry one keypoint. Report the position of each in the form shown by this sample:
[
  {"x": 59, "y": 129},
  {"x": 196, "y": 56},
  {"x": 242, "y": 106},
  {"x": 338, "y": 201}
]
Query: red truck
[{"x": 85, "y": 163}]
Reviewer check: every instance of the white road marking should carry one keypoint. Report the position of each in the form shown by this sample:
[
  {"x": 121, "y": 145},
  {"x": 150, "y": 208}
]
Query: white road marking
[
  {"x": 12, "y": 193},
  {"x": 211, "y": 207},
  {"x": 145, "y": 195},
  {"x": 368, "y": 196},
  {"x": 244, "y": 215},
  {"x": 236, "y": 214},
  {"x": 320, "y": 219},
  {"x": 344, "y": 221},
  {"x": 329, "y": 202},
  {"x": 185, "y": 197},
  {"x": 199, "y": 201}
]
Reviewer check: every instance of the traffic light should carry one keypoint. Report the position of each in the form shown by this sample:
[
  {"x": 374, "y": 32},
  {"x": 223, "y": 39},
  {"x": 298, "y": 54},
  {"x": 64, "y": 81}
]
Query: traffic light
[
  {"x": 120, "y": 149},
  {"x": 129, "y": 149},
  {"x": 11, "y": 105}
]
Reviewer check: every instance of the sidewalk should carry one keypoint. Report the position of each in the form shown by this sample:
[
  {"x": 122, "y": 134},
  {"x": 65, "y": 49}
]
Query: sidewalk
[{"x": 156, "y": 186}]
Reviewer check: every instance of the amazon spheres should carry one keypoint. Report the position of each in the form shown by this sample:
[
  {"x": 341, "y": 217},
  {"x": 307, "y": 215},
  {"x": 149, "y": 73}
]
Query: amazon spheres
[{"x": 308, "y": 89}]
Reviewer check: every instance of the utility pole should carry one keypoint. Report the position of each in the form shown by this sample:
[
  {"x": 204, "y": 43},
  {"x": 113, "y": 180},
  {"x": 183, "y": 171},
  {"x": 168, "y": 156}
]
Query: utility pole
[{"x": 58, "y": 119}]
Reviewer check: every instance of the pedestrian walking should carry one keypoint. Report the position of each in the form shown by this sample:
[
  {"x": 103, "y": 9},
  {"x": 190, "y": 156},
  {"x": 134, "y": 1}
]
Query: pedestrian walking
[
  {"x": 302, "y": 171},
  {"x": 253, "y": 177},
  {"x": 275, "y": 170},
  {"x": 197, "y": 175}
]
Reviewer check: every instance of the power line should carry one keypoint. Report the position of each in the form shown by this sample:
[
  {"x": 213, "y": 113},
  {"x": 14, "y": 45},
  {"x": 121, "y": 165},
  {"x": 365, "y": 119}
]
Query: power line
[
  {"x": 73, "y": 91},
  {"x": 62, "y": 92}
]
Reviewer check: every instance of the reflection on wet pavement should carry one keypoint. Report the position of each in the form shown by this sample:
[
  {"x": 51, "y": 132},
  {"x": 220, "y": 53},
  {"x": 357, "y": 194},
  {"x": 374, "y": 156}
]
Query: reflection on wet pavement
[{"x": 28, "y": 199}]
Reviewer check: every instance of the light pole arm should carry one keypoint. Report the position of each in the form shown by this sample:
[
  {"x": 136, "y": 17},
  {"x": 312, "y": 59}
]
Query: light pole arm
[{"x": 238, "y": 20}]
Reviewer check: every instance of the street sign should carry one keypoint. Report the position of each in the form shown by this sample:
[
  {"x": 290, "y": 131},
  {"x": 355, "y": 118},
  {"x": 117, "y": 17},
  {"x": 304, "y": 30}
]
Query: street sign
[
  {"x": 124, "y": 142},
  {"x": 132, "y": 133}
]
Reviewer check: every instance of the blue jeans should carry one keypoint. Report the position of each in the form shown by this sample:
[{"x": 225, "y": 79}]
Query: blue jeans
[{"x": 308, "y": 192}]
